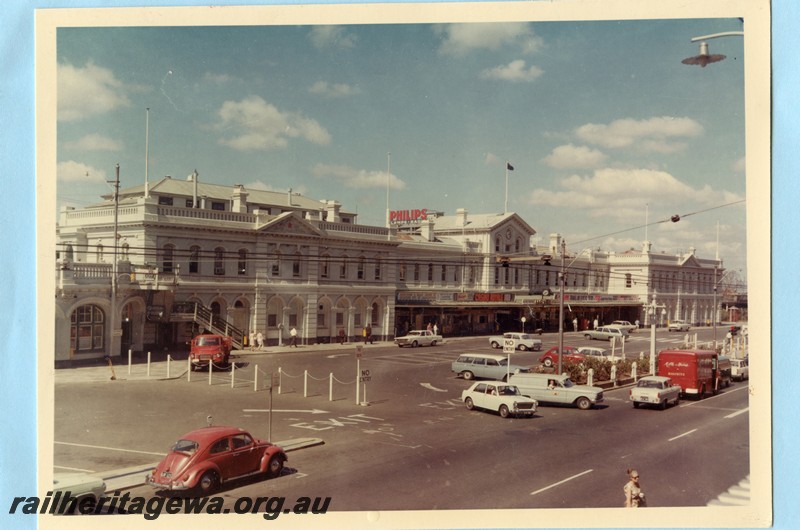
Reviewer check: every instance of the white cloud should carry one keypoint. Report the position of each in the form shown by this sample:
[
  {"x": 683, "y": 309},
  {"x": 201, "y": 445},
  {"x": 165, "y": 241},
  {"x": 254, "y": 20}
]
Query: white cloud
[
  {"x": 515, "y": 71},
  {"x": 575, "y": 157},
  {"x": 253, "y": 124},
  {"x": 327, "y": 37},
  {"x": 333, "y": 90},
  {"x": 739, "y": 165},
  {"x": 95, "y": 142},
  {"x": 79, "y": 173},
  {"x": 622, "y": 193},
  {"x": 217, "y": 79},
  {"x": 262, "y": 186},
  {"x": 91, "y": 89},
  {"x": 659, "y": 134},
  {"x": 461, "y": 39},
  {"x": 358, "y": 178}
]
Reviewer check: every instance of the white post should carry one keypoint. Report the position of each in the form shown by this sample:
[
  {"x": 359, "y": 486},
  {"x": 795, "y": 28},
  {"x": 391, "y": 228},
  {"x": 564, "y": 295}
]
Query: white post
[
  {"x": 233, "y": 374},
  {"x": 634, "y": 371},
  {"x": 255, "y": 380},
  {"x": 590, "y": 377},
  {"x": 169, "y": 358},
  {"x": 280, "y": 380},
  {"x": 188, "y": 370},
  {"x": 653, "y": 347},
  {"x": 148, "y": 364},
  {"x": 358, "y": 374},
  {"x": 130, "y": 354},
  {"x": 330, "y": 387},
  {"x": 623, "y": 347},
  {"x": 305, "y": 383},
  {"x": 210, "y": 370}
]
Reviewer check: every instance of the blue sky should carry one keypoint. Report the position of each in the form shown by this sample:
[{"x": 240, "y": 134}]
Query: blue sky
[{"x": 603, "y": 124}]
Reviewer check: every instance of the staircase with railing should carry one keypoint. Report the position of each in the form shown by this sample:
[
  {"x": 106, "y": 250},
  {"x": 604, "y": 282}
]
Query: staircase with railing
[{"x": 204, "y": 317}]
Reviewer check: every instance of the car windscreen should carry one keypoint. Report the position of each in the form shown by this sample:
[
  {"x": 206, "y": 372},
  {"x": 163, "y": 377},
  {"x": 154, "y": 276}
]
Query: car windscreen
[{"x": 208, "y": 341}]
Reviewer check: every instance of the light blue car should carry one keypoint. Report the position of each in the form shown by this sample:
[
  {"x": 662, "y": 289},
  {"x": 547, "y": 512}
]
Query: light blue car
[{"x": 486, "y": 366}]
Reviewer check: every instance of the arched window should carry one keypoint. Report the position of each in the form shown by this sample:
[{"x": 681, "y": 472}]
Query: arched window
[
  {"x": 377, "y": 268},
  {"x": 99, "y": 253},
  {"x": 276, "y": 264},
  {"x": 194, "y": 259},
  {"x": 296, "y": 265},
  {"x": 166, "y": 258},
  {"x": 87, "y": 329},
  {"x": 219, "y": 261},
  {"x": 69, "y": 253},
  {"x": 360, "y": 268},
  {"x": 324, "y": 270},
  {"x": 241, "y": 265}
]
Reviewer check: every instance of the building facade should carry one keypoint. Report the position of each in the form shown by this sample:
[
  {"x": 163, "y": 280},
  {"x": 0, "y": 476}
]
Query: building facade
[{"x": 192, "y": 256}]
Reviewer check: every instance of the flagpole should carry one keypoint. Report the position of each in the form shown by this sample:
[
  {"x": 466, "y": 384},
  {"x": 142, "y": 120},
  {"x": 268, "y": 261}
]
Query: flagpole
[
  {"x": 505, "y": 206},
  {"x": 388, "y": 175}
]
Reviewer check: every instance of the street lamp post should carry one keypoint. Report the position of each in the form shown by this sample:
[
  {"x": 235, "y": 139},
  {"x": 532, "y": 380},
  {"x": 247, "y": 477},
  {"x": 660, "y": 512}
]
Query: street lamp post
[
  {"x": 561, "y": 306},
  {"x": 523, "y": 319},
  {"x": 705, "y": 58},
  {"x": 652, "y": 311}
]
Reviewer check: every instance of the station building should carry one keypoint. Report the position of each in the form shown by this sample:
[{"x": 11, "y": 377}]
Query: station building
[{"x": 192, "y": 256}]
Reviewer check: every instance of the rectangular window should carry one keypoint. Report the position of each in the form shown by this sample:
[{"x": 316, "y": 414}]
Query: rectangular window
[
  {"x": 444, "y": 273},
  {"x": 343, "y": 269},
  {"x": 320, "y": 320},
  {"x": 217, "y": 205},
  {"x": 360, "y": 270},
  {"x": 402, "y": 272},
  {"x": 189, "y": 203},
  {"x": 340, "y": 319},
  {"x": 296, "y": 268},
  {"x": 164, "y": 201},
  {"x": 292, "y": 319},
  {"x": 378, "y": 270},
  {"x": 324, "y": 268},
  {"x": 430, "y": 272},
  {"x": 272, "y": 321},
  {"x": 416, "y": 272}
]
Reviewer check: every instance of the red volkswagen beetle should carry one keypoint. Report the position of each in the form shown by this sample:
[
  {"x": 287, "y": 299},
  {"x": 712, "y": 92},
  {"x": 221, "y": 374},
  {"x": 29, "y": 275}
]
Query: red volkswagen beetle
[
  {"x": 206, "y": 458},
  {"x": 569, "y": 355}
]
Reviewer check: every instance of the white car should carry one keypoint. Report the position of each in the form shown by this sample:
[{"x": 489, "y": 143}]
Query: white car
[
  {"x": 678, "y": 325},
  {"x": 740, "y": 369},
  {"x": 598, "y": 353},
  {"x": 80, "y": 486},
  {"x": 418, "y": 337},
  {"x": 522, "y": 341},
  {"x": 495, "y": 395},
  {"x": 623, "y": 324},
  {"x": 655, "y": 390}
]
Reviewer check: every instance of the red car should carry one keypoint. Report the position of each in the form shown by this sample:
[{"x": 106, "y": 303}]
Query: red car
[
  {"x": 206, "y": 458},
  {"x": 569, "y": 355}
]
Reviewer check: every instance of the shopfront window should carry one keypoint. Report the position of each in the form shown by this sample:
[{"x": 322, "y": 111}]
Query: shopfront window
[{"x": 87, "y": 329}]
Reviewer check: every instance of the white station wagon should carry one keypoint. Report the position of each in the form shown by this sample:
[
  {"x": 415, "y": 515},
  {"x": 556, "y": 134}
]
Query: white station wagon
[{"x": 495, "y": 395}]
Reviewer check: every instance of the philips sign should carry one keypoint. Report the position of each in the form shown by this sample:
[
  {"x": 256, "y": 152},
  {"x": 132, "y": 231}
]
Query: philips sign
[{"x": 406, "y": 216}]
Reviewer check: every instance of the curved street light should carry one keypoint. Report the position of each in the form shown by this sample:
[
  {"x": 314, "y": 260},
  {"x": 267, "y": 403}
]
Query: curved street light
[{"x": 705, "y": 58}]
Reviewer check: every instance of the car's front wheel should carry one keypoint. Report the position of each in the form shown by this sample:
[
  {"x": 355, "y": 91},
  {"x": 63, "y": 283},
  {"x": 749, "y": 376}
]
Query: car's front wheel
[
  {"x": 433, "y": 343},
  {"x": 414, "y": 344},
  {"x": 495, "y": 345},
  {"x": 208, "y": 482},
  {"x": 584, "y": 403},
  {"x": 504, "y": 412},
  {"x": 636, "y": 404},
  {"x": 468, "y": 402},
  {"x": 587, "y": 336},
  {"x": 275, "y": 466},
  {"x": 467, "y": 375}
]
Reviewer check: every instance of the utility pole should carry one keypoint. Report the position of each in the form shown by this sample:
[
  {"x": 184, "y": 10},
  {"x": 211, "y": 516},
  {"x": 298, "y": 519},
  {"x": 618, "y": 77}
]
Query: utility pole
[
  {"x": 114, "y": 337},
  {"x": 561, "y": 280}
]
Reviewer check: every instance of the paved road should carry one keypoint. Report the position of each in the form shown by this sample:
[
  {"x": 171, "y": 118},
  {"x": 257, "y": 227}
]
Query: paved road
[{"x": 414, "y": 446}]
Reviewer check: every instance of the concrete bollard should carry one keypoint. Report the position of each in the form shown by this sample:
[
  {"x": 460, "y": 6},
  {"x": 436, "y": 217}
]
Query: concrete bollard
[
  {"x": 634, "y": 372},
  {"x": 590, "y": 377},
  {"x": 614, "y": 374}
]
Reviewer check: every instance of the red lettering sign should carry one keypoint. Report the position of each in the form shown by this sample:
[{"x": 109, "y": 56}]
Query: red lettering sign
[{"x": 406, "y": 216}]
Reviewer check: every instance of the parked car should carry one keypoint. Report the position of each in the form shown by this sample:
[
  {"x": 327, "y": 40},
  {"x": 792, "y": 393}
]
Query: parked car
[
  {"x": 569, "y": 355},
  {"x": 504, "y": 398},
  {"x": 554, "y": 388},
  {"x": 418, "y": 337},
  {"x": 485, "y": 365},
  {"x": 605, "y": 333},
  {"x": 655, "y": 390},
  {"x": 740, "y": 369},
  {"x": 624, "y": 324},
  {"x": 80, "y": 486},
  {"x": 205, "y": 458},
  {"x": 598, "y": 353},
  {"x": 678, "y": 325},
  {"x": 522, "y": 341},
  {"x": 209, "y": 348}
]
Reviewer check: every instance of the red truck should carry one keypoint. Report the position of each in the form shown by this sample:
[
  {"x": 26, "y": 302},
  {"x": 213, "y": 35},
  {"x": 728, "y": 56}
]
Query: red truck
[
  {"x": 210, "y": 348},
  {"x": 695, "y": 371}
]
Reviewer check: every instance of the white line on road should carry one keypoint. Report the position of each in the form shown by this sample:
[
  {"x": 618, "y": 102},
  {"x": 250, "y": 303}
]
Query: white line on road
[
  {"x": 562, "y": 482},
  {"x": 719, "y": 395},
  {"x": 110, "y": 448},
  {"x": 312, "y": 411},
  {"x": 431, "y": 387},
  {"x": 682, "y": 435},
  {"x": 733, "y": 415},
  {"x": 75, "y": 469}
]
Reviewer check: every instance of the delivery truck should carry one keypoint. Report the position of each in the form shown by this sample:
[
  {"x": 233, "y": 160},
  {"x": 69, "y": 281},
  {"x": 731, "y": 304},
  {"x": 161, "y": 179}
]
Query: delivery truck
[{"x": 697, "y": 372}]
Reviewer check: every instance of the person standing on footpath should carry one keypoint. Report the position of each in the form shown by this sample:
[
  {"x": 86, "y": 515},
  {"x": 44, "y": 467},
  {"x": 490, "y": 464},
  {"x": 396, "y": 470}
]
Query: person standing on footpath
[
  {"x": 293, "y": 333},
  {"x": 368, "y": 334},
  {"x": 575, "y": 323},
  {"x": 634, "y": 498},
  {"x": 252, "y": 339},
  {"x": 259, "y": 339}
]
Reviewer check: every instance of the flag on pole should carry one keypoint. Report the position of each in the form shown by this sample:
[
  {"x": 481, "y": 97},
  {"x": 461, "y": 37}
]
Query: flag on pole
[{"x": 509, "y": 167}]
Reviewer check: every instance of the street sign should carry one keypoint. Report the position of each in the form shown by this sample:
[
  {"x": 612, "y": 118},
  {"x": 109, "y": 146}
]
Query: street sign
[
  {"x": 365, "y": 376},
  {"x": 359, "y": 351},
  {"x": 508, "y": 345}
]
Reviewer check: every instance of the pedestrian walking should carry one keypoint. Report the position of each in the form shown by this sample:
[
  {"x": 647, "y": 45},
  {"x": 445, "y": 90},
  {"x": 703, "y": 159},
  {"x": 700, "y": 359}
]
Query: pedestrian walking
[
  {"x": 637, "y": 323},
  {"x": 341, "y": 336},
  {"x": 368, "y": 334},
  {"x": 252, "y": 339},
  {"x": 435, "y": 329},
  {"x": 595, "y": 323},
  {"x": 429, "y": 328},
  {"x": 259, "y": 339},
  {"x": 634, "y": 498},
  {"x": 575, "y": 323},
  {"x": 293, "y": 334}
]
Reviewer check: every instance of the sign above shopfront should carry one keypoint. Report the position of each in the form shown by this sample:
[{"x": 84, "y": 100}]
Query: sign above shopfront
[{"x": 407, "y": 216}]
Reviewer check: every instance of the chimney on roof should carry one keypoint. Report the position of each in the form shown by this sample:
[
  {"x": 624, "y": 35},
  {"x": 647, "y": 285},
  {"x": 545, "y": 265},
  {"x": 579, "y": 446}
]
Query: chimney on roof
[
  {"x": 193, "y": 179},
  {"x": 239, "y": 199},
  {"x": 461, "y": 217},
  {"x": 426, "y": 229},
  {"x": 555, "y": 244},
  {"x": 332, "y": 209},
  {"x": 289, "y": 197}
]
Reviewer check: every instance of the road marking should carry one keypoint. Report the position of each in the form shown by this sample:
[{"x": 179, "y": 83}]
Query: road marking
[
  {"x": 682, "y": 435},
  {"x": 109, "y": 448},
  {"x": 431, "y": 387},
  {"x": 733, "y": 415},
  {"x": 75, "y": 469},
  {"x": 311, "y": 411},
  {"x": 562, "y": 482},
  {"x": 707, "y": 399},
  {"x": 335, "y": 355}
]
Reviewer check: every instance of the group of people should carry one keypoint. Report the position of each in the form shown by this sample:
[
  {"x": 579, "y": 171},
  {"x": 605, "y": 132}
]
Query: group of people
[{"x": 256, "y": 339}]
